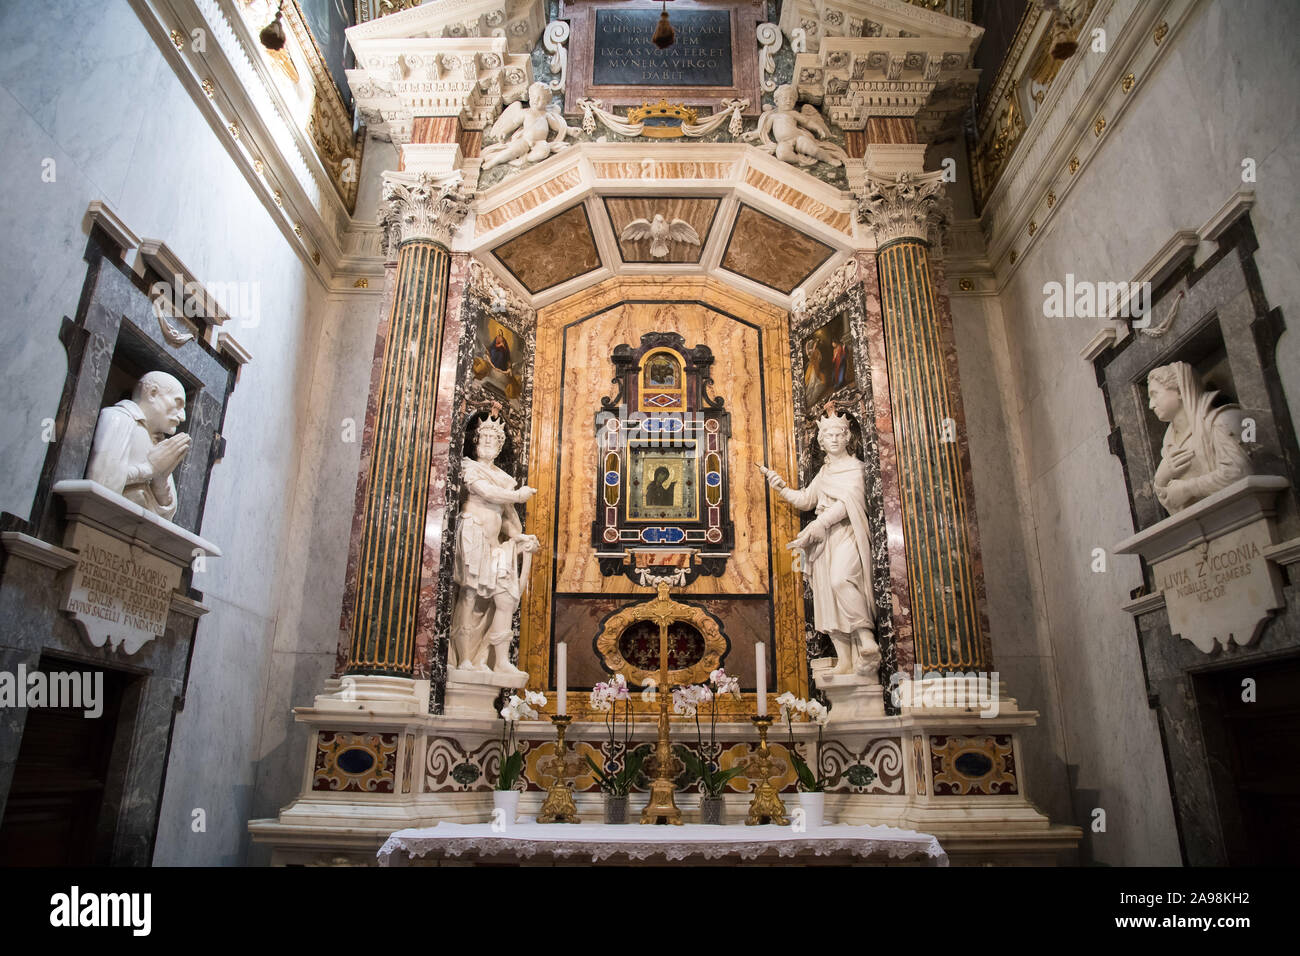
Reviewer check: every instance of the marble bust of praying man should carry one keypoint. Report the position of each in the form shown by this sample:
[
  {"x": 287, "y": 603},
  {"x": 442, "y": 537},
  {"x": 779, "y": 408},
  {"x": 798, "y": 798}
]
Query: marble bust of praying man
[
  {"x": 1201, "y": 452},
  {"x": 490, "y": 541},
  {"x": 136, "y": 448},
  {"x": 836, "y": 548}
]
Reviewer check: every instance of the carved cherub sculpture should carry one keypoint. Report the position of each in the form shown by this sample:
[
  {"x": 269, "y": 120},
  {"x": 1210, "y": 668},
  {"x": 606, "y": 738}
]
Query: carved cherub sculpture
[
  {"x": 1201, "y": 452},
  {"x": 132, "y": 453},
  {"x": 783, "y": 131},
  {"x": 529, "y": 128}
]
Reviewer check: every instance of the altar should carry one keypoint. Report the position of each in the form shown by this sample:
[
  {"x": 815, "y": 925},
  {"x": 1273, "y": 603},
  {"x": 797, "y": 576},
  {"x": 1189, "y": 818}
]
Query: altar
[
  {"x": 643, "y": 529},
  {"x": 531, "y": 843}
]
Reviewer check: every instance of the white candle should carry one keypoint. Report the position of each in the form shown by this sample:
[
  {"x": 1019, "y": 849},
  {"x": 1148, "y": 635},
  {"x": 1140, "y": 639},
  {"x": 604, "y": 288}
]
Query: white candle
[
  {"x": 760, "y": 669},
  {"x": 562, "y": 676}
]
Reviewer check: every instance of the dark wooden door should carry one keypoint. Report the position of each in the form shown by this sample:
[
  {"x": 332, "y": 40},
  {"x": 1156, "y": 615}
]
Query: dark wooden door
[{"x": 52, "y": 815}]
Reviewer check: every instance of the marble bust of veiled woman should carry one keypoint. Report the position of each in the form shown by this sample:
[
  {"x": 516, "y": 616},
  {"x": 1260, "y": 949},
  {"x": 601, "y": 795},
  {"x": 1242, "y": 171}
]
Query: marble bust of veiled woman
[{"x": 1201, "y": 452}]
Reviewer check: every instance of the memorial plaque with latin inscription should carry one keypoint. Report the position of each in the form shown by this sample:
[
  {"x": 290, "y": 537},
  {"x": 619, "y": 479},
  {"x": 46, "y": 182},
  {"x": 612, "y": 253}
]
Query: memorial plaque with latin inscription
[
  {"x": 699, "y": 56},
  {"x": 119, "y": 594},
  {"x": 713, "y": 57}
]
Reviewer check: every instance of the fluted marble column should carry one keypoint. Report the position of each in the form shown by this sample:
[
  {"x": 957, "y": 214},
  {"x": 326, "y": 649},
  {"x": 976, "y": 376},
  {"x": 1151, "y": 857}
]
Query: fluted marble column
[
  {"x": 938, "y": 515},
  {"x": 423, "y": 213}
]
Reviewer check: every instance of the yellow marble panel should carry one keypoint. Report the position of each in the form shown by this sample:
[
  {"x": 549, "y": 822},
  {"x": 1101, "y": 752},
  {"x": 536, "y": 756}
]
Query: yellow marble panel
[
  {"x": 833, "y": 217},
  {"x": 736, "y": 377},
  {"x": 659, "y": 169},
  {"x": 620, "y": 310},
  {"x": 504, "y": 213}
]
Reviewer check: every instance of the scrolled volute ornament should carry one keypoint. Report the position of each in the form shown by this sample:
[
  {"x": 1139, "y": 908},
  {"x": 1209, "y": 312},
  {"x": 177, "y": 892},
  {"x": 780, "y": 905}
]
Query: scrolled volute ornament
[
  {"x": 426, "y": 207},
  {"x": 905, "y": 207}
]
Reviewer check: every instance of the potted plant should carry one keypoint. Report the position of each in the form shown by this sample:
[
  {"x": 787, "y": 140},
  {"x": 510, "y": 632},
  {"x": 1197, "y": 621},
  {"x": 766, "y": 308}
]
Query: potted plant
[
  {"x": 621, "y": 770},
  {"x": 812, "y": 786},
  {"x": 505, "y": 795},
  {"x": 704, "y": 763}
]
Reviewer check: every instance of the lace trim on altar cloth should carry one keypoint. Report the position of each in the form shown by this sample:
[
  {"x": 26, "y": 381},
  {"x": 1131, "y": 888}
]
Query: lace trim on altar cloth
[{"x": 892, "y": 844}]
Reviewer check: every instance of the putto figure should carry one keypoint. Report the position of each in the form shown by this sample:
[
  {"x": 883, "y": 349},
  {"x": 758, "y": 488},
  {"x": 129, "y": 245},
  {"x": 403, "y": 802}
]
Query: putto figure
[
  {"x": 782, "y": 131},
  {"x": 1201, "y": 452},
  {"x": 531, "y": 127},
  {"x": 836, "y": 548},
  {"x": 490, "y": 543},
  {"x": 132, "y": 453}
]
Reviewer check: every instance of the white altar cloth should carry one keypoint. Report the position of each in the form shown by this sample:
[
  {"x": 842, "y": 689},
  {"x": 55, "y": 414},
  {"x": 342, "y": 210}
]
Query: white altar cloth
[{"x": 599, "y": 842}]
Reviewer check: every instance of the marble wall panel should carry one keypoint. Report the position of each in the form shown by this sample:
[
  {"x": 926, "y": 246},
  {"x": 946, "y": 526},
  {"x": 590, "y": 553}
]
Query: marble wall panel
[
  {"x": 737, "y": 378},
  {"x": 771, "y": 253},
  {"x": 555, "y": 251},
  {"x": 751, "y": 348}
]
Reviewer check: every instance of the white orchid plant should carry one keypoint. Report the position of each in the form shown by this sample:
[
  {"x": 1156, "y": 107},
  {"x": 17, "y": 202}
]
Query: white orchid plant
[
  {"x": 512, "y": 758},
  {"x": 687, "y": 701},
  {"x": 624, "y": 765},
  {"x": 815, "y": 711}
]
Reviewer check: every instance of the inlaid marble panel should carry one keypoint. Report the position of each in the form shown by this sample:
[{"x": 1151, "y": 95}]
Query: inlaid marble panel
[
  {"x": 750, "y": 340},
  {"x": 737, "y": 378},
  {"x": 771, "y": 253},
  {"x": 560, "y": 249}
]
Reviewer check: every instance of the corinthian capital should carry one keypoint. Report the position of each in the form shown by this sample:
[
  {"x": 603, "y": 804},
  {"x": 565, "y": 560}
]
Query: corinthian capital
[
  {"x": 425, "y": 206},
  {"x": 904, "y": 207}
]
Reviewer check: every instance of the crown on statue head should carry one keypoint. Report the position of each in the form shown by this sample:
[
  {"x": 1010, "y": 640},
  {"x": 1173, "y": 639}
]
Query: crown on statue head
[
  {"x": 492, "y": 426},
  {"x": 831, "y": 420}
]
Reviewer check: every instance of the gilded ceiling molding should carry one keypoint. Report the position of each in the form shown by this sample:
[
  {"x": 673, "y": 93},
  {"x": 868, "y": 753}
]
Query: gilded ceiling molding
[
  {"x": 425, "y": 207},
  {"x": 904, "y": 208}
]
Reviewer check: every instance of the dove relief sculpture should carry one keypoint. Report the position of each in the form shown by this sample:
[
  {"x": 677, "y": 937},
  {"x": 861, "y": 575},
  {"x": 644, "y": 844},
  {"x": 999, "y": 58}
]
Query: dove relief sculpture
[{"x": 660, "y": 232}]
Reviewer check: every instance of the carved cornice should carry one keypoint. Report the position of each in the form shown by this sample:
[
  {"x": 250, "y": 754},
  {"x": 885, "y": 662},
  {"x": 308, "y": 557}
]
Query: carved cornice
[
  {"x": 519, "y": 23},
  {"x": 471, "y": 79},
  {"x": 839, "y": 282},
  {"x": 824, "y": 19},
  {"x": 904, "y": 208},
  {"x": 483, "y": 283},
  {"x": 424, "y": 207},
  {"x": 856, "y": 66}
]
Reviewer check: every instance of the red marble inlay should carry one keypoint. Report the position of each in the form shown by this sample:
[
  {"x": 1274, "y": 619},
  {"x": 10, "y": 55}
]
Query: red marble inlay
[
  {"x": 887, "y": 451},
  {"x": 436, "y": 513}
]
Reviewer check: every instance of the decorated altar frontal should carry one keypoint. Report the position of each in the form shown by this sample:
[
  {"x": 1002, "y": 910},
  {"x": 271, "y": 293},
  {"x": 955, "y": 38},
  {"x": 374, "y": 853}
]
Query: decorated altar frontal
[{"x": 532, "y": 843}]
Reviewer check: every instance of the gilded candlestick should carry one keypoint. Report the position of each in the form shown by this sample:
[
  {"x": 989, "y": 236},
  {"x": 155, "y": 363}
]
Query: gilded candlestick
[
  {"x": 559, "y": 806},
  {"x": 766, "y": 805}
]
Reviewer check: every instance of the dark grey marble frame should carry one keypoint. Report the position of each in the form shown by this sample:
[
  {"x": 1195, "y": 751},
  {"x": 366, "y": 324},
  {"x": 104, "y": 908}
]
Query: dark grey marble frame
[
  {"x": 856, "y": 401},
  {"x": 469, "y": 398},
  {"x": 115, "y": 319},
  {"x": 1223, "y": 308}
]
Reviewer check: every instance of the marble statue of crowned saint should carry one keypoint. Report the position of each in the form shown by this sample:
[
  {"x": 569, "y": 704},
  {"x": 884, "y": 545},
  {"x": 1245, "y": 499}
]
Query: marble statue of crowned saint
[
  {"x": 1201, "y": 452},
  {"x": 836, "y": 548},
  {"x": 136, "y": 448},
  {"x": 490, "y": 543}
]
